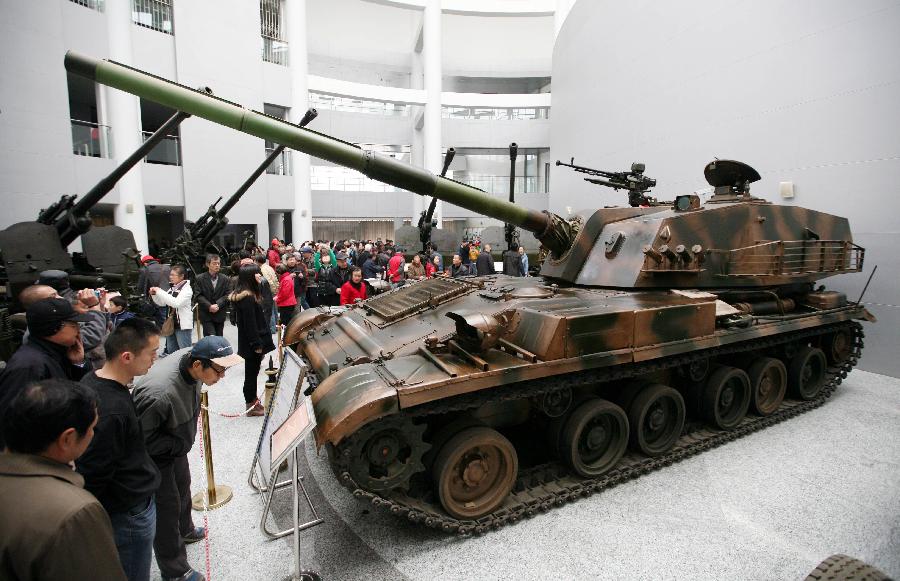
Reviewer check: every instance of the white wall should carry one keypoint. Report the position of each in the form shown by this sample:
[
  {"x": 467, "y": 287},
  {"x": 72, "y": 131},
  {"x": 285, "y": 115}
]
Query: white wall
[{"x": 804, "y": 91}]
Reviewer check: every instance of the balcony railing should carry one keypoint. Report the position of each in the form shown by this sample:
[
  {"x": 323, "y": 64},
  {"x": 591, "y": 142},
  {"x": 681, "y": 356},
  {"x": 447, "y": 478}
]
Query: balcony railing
[
  {"x": 90, "y": 139},
  {"x": 166, "y": 152},
  {"x": 500, "y": 184},
  {"x": 92, "y": 4},
  {"x": 154, "y": 14},
  {"x": 274, "y": 51},
  {"x": 281, "y": 166},
  {"x": 495, "y": 114},
  {"x": 321, "y": 101}
]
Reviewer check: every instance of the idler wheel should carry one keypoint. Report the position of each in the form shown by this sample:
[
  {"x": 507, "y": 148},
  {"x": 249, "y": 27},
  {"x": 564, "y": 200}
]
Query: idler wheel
[
  {"x": 384, "y": 455},
  {"x": 725, "y": 398},
  {"x": 838, "y": 346},
  {"x": 594, "y": 438},
  {"x": 806, "y": 373},
  {"x": 656, "y": 418},
  {"x": 475, "y": 472},
  {"x": 768, "y": 384}
]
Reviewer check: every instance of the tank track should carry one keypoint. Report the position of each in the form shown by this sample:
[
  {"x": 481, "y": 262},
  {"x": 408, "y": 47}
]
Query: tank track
[{"x": 541, "y": 488}]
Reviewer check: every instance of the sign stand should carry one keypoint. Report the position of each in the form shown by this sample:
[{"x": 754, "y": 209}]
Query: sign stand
[{"x": 289, "y": 419}]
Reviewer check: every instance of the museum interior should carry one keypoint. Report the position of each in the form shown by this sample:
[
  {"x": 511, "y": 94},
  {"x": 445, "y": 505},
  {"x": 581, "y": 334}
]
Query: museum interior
[{"x": 582, "y": 289}]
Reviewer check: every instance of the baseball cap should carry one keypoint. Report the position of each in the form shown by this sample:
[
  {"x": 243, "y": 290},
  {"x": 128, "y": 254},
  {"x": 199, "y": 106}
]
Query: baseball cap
[
  {"x": 46, "y": 316},
  {"x": 147, "y": 258},
  {"x": 341, "y": 255},
  {"x": 216, "y": 349},
  {"x": 306, "y": 249}
]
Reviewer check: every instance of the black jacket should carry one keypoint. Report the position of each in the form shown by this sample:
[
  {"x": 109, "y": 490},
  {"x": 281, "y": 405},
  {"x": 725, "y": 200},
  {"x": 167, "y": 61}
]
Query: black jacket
[
  {"x": 35, "y": 360},
  {"x": 116, "y": 466},
  {"x": 154, "y": 274},
  {"x": 484, "y": 264},
  {"x": 371, "y": 269},
  {"x": 206, "y": 296},
  {"x": 252, "y": 325}
]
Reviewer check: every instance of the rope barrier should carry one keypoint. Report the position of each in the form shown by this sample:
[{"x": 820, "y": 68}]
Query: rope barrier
[{"x": 205, "y": 500}]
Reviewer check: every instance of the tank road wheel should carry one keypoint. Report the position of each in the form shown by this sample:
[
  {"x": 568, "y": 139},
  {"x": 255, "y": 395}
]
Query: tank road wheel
[
  {"x": 768, "y": 383},
  {"x": 838, "y": 346},
  {"x": 656, "y": 418},
  {"x": 806, "y": 373},
  {"x": 844, "y": 568},
  {"x": 725, "y": 397},
  {"x": 474, "y": 472},
  {"x": 595, "y": 437},
  {"x": 384, "y": 455}
]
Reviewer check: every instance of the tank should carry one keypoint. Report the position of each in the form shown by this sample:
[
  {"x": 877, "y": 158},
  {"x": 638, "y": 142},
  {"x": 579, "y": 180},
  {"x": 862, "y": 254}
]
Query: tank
[{"x": 653, "y": 332}]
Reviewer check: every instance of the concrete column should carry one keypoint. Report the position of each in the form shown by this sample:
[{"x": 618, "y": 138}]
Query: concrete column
[
  {"x": 433, "y": 72},
  {"x": 295, "y": 19},
  {"x": 124, "y": 117},
  {"x": 563, "y": 7},
  {"x": 416, "y": 150}
]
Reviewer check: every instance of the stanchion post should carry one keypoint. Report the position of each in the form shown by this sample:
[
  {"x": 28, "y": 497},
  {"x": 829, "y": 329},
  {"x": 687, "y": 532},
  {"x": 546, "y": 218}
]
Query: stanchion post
[
  {"x": 280, "y": 346},
  {"x": 215, "y": 495}
]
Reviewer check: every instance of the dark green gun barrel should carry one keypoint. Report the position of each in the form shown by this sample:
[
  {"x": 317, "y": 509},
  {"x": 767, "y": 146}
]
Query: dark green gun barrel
[{"x": 553, "y": 231}]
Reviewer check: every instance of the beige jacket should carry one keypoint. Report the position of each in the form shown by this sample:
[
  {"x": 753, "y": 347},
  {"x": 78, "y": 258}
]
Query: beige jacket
[
  {"x": 269, "y": 274},
  {"x": 52, "y": 528}
]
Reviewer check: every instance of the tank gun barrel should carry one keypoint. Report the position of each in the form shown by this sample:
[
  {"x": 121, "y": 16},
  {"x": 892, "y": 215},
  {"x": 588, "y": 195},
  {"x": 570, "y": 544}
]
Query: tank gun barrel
[
  {"x": 554, "y": 232},
  {"x": 426, "y": 219}
]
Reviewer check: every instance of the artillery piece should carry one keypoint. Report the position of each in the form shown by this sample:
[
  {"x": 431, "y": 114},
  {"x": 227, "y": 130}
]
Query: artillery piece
[
  {"x": 652, "y": 334},
  {"x": 196, "y": 241}
]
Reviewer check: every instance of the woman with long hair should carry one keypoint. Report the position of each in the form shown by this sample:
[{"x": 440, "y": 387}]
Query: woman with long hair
[{"x": 254, "y": 340}]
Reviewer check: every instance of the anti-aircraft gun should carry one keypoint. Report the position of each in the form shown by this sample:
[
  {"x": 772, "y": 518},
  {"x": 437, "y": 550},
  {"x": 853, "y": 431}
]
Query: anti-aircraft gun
[
  {"x": 108, "y": 257},
  {"x": 192, "y": 245},
  {"x": 652, "y": 334},
  {"x": 426, "y": 219},
  {"x": 634, "y": 181}
]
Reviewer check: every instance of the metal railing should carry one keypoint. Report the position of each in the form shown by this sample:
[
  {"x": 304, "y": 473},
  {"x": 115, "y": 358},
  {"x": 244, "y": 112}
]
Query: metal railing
[
  {"x": 92, "y": 4},
  {"x": 496, "y": 114},
  {"x": 90, "y": 139},
  {"x": 281, "y": 166},
  {"x": 166, "y": 152},
  {"x": 791, "y": 258},
  {"x": 154, "y": 14},
  {"x": 274, "y": 51},
  {"x": 500, "y": 184},
  {"x": 351, "y": 105}
]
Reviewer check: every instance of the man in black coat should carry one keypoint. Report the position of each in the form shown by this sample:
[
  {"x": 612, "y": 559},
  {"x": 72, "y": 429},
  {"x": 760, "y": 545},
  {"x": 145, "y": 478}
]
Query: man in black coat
[
  {"x": 484, "y": 264},
  {"x": 54, "y": 349},
  {"x": 153, "y": 274},
  {"x": 211, "y": 291}
]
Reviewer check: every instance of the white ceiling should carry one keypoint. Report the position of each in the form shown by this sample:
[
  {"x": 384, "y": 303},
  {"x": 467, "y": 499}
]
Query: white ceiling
[{"x": 360, "y": 31}]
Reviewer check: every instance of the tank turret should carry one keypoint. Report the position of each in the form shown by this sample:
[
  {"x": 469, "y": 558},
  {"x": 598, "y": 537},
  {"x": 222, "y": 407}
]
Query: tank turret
[{"x": 654, "y": 332}]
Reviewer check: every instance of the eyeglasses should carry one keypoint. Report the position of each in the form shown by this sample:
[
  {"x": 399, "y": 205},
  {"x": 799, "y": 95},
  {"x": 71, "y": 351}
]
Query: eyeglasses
[{"x": 219, "y": 370}]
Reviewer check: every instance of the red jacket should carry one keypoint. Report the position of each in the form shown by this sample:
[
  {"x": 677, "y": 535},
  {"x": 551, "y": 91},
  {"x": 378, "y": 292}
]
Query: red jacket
[
  {"x": 274, "y": 257},
  {"x": 395, "y": 267},
  {"x": 285, "y": 296},
  {"x": 430, "y": 269},
  {"x": 350, "y": 294}
]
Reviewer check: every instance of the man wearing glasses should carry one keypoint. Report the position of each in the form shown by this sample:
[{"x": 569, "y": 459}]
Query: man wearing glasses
[{"x": 167, "y": 401}]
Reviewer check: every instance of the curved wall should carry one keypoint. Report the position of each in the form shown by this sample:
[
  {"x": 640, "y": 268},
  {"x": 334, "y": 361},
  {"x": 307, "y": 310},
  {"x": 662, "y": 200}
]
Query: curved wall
[{"x": 804, "y": 91}]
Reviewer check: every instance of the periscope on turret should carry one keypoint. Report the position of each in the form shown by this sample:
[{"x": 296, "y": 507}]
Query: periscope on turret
[{"x": 654, "y": 332}]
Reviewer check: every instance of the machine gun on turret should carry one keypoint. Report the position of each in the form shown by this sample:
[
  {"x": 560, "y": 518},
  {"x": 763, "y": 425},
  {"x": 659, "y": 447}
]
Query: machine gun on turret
[
  {"x": 634, "y": 181},
  {"x": 426, "y": 218},
  {"x": 193, "y": 244}
]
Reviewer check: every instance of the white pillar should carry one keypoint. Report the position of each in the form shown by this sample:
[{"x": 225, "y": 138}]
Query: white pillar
[
  {"x": 124, "y": 115},
  {"x": 295, "y": 19},
  {"x": 416, "y": 154},
  {"x": 563, "y": 7},
  {"x": 431, "y": 40}
]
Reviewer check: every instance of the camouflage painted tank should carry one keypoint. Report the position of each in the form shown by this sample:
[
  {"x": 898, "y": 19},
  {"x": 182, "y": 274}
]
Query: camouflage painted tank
[{"x": 653, "y": 333}]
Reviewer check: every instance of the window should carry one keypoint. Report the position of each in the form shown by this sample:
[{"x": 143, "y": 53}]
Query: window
[
  {"x": 350, "y": 104},
  {"x": 167, "y": 151},
  {"x": 274, "y": 47},
  {"x": 496, "y": 114},
  {"x": 89, "y": 137},
  {"x": 155, "y": 14},
  {"x": 92, "y": 4}
]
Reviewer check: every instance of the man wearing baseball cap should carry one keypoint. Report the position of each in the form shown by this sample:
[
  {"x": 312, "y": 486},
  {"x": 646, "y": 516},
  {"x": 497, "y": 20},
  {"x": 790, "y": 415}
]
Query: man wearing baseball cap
[
  {"x": 54, "y": 349},
  {"x": 167, "y": 401}
]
